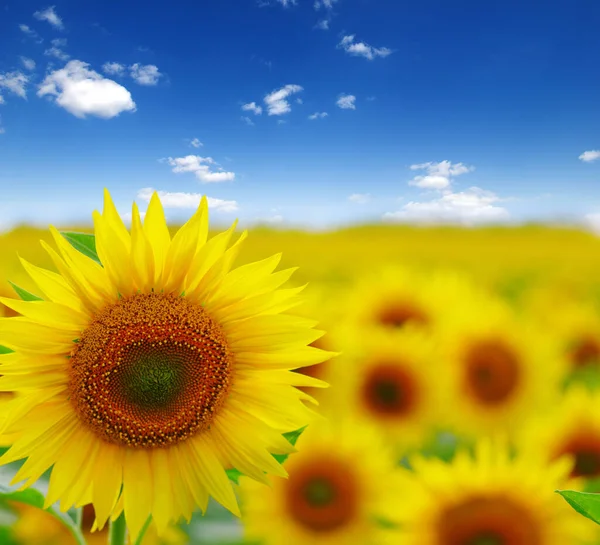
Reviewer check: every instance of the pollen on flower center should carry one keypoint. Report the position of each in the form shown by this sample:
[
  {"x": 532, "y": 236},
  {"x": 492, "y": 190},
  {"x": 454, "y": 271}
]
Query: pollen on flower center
[{"x": 149, "y": 371}]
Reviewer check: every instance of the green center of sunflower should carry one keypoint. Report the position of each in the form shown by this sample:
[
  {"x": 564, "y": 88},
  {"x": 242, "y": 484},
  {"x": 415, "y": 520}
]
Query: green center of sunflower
[
  {"x": 486, "y": 539},
  {"x": 319, "y": 492},
  {"x": 150, "y": 370}
]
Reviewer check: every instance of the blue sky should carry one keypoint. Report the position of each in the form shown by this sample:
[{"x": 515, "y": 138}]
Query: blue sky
[{"x": 302, "y": 113}]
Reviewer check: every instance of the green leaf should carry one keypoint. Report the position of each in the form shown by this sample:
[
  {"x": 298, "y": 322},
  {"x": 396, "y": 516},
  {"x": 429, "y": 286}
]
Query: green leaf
[
  {"x": 292, "y": 436},
  {"x": 35, "y": 498},
  {"x": 24, "y": 294},
  {"x": 4, "y": 350},
  {"x": 585, "y": 503},
  {"x": 84, "y": 243}
]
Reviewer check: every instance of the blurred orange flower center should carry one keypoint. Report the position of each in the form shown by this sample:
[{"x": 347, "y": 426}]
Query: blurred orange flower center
[
  {"x": 389, "y": 390},
  {"x": 585, "y": 448},
  {"x": 150, "y": 370},
  {"x": 585, "y": 351},
  {"x": 492, "y": 371},
  {"x": 399, "y": 314},
  {"x": 488, "y": 521},
  {"x": 321, "y": 495}
]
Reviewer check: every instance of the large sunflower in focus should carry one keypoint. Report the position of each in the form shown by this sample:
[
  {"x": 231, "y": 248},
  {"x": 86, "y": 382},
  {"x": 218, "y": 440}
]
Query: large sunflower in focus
[
  {"x": 501, "y": 369},
  {"x": 390, "y": 380},
  {"x": 493, "y": 498},
  {"x": 142, "y": 377},
  {"x": 340, "y": 489}
]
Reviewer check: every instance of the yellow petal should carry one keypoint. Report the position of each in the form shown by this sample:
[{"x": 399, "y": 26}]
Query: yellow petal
[
  {"x": 155, "y": 227},
  {"x": 107, "y": 477},
  {"x": 142, "y": 256},
  {"x": 137, "y": 490},
  {"x": 49, "y": 313}
]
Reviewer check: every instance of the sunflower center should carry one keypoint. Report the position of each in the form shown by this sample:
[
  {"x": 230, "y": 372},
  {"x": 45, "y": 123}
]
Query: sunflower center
[
  {"x": 389, "y": 390},
  {"x": 492, "y": 371},
  {"x": 399, "y": 314},
  {"x": 586, "y": 451},
  {"x": 321, "y": 495},
  {"x": 585, "y": 351},
  {"x": 488, "y": 521},
  {"x": 149, "y": 371}
]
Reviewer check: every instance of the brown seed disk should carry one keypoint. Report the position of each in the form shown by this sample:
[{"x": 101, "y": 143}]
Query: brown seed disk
[
  {"x": 584, "y": 446},
  {"x": 389, "y": 390},
  {"x": 492, "y": 370},
  {"x": 396, "y": 314},
  {"x": 322, "y": 495},
  {"x": 488, "y": 520},
  {"x": 150, "y": 371}
]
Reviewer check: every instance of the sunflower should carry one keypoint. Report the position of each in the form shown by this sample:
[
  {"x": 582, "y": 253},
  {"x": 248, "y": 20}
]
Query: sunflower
[
  {"x": 500, "y": 367},
  {"x": 394, "y": 297},
  {"x": 34, "y": 526},
  {"x": 390, "y": 380},
  {"x": 491, "y": 498},
  {"x": 571, "y": 429},
  {"x": 340, "y": 489},
  {"x": 153, "y": 370}
]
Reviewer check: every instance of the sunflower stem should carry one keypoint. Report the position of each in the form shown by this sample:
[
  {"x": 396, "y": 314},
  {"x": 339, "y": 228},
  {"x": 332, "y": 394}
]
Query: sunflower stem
[
  {"x": 78, "y": 517},
  {"x": 117, "y": 531},
  {"x": 140, "y": 538}
]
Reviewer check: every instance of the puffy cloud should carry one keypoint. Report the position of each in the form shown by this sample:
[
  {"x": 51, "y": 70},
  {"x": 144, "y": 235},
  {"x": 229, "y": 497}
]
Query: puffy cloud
[
  {"x": 15, "y": 82},
  {"x": 50, "y": 16},
  {"x": 145, "y": 75},
  {"x": 468, "y": 207},
  {"x": 201, "y": 167},
  {"x": 186, "y": 200},
  {"x": 113, "y": 68},
  {"x": 318, "y": 115},
  {"x": 438, "y": 174},
  {"x": 29, "y": 64},
  {"x": 360, "y": 198},
  {"x": 252, "y": 107},
  {"x": 589, "y": 156},
  {"x": 361, "y": 49},
  {"x": 276, "y": 101},
  {"x": 56, "y": 51},
  {"x": 346, "y": 102},
  {"x": 82, "y": 92},
  {"x": 195, "y": 143}
]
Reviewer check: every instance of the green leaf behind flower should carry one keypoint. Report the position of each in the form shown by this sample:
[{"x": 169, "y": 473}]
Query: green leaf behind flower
[
  {"x": 585, "y": 503},
  {"x": 4, "y": 350},
  {"x": 23, "y": 294},
  {"x": 292, "y": 436},
  {"x": 84, "y": 243}
]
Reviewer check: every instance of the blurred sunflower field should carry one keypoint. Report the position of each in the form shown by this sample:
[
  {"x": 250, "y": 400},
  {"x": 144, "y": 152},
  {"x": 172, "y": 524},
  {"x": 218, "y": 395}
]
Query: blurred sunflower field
[{"x": 464, "y": 392}]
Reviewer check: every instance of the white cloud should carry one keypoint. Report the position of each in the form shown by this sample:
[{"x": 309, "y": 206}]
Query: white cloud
[
  {"x": 276, "y": 101},
  {"x": 29, "y": 64},
  {"x": 468, "y": 207},
  {"x": 360, "y": 198},
  {"x": 299, "y": 101},
  {"x": 327, "y": 4},
  {"x": 195, "y": 143},
  {"x": 287, "y": 3},
  {"x": 281, "y": 121},
  {"x": 318, "y": 115},
  {"x": 50, "y": 16},
  {"x": 201, "y": 167},
  {"x": 82, "y": 92},
  {"x": 26, "y": 29},
  {"x": 438, "y": 174},
  {"x": 113, "y": 68},
  {"x": 2, "y": 99},
  {"x": 275, "y": 219},
  {"x": 323, "y": 24},
  {"x": 589, "y": 156},
  {"x": 361, "y": 49},
  {"x": 186, "y": 200},
  {"x": 15, "y": 82},
  {"x": 252, "y": 107},
  {"x": 145, "y": 75},
  {"x": 247, "y": 120},
  {"x": 56, "y": 51},
  {"x": 346, "y": 102}
]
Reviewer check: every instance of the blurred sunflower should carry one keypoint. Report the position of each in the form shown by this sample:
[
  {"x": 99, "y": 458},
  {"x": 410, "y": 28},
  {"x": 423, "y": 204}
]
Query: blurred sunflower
[
  {"x": 571, "y": 429},
  {"x": 395, "y": 297},
  {"x": 500, "y": 368},
  {"x": 34, "y": 526},
  {"x": 340, "y": 488},
  {"x": 491, "y": 498},
  {"x": 180, "y": 369},
  {"x": 390, "y": 380}
]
